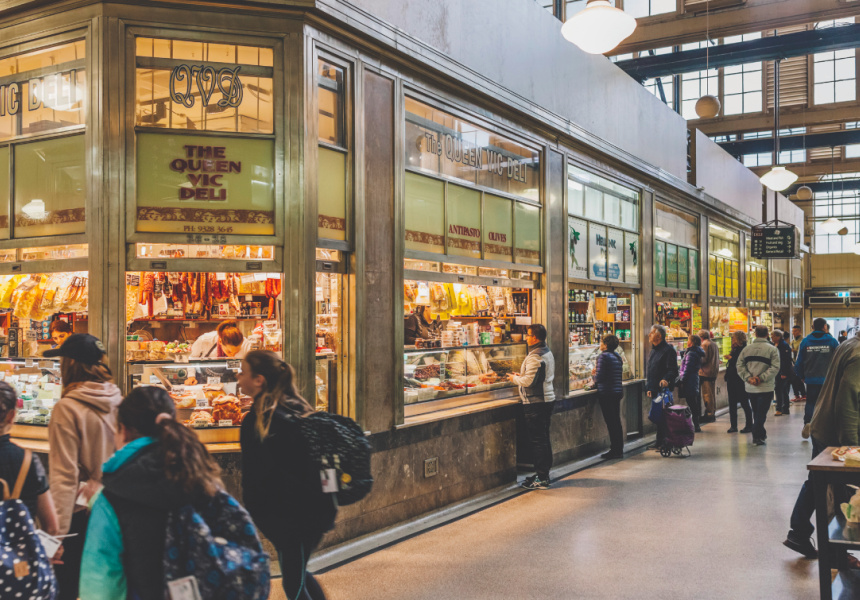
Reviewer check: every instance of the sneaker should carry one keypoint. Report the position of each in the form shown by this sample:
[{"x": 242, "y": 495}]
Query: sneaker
[
  {"x": 804, "y": 547},
  {"x": 805, "y": 432},
  {"x": 732, "y": 430},
  {"x": 535, "y": 483}
]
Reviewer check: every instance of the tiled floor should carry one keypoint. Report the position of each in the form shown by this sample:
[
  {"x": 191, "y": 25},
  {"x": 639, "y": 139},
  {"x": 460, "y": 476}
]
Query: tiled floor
[{"x": 709, "y": 526}]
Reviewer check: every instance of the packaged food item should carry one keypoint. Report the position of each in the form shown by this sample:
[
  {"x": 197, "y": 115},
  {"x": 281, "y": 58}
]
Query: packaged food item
[{"x": 25, "y": 296}]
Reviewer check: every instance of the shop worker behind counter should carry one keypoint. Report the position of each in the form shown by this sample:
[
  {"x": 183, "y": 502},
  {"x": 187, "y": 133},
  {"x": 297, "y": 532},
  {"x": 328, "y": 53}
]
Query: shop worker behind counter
[
  {"x": 662, "y": 370},
  {"x": 420, "y": 325},
  {"x": 537, "y": 395}
]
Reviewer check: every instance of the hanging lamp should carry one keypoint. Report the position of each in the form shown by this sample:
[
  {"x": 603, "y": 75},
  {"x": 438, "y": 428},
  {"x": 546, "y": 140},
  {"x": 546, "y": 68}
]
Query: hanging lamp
[
  {"x": 778, "y": 178},
  {"x": 598, "y": 28},
  {"x": 831, "y": 225},
  {"x": 708, "y": 106}
]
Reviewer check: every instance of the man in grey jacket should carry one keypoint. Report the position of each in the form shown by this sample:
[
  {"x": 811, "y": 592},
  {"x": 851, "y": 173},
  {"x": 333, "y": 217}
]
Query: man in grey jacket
[
  {"x": 758, "y": 365},
  {"x": 537, "y": 395},
  {"x": 708, "y": 376}
]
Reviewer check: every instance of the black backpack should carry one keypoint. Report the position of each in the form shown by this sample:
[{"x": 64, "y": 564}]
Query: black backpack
[{"x": 337, "y": 442}]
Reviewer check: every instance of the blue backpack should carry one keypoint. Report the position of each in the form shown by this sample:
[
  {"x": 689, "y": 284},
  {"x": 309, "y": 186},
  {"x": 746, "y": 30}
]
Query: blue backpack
[
  {"x": 25, "y": 571},
  {"x": 218, "y": 547}
]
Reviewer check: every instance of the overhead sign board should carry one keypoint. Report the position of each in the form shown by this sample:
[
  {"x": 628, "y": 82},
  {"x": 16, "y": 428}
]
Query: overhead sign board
[{"x": 775, "y": 241}]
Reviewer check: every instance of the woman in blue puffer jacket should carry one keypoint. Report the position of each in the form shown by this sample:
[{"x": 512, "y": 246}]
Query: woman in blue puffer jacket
[
  {"x": 607, "y": 378},
  {"x": 688, "y": 378}
]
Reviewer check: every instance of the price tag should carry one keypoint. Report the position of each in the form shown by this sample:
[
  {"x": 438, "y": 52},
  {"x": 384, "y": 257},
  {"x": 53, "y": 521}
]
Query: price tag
[
  {"x": 247, "y": 278},
  {"x": 153, "y": 380},
  {"x": 500, "y": 302},
  {"x": 28, "y": 363},
  {"x": 328, "y": 479},
  {"x": 234, "y": 365},
  {"x": 225, "y": 423},
  {"x": 32, "y": 336},
  {"x": 137, "y": 369},
  {"x": 33, "y": 378},
  {"x": 213, "y": 380},
  {"x": 524, "y": 321},
  {"x": 249, "y": 297},
  {"x": 201, "y": 403},
  {"x": 46, "y": 364},
  {"x": 261, "y": 276},
  {"x": 220, "y": 276}
]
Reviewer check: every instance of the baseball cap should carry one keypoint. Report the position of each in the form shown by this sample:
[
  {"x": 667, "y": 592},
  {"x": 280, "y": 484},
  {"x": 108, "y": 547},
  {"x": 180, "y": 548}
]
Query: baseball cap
[{"x": 83, "y": 347}]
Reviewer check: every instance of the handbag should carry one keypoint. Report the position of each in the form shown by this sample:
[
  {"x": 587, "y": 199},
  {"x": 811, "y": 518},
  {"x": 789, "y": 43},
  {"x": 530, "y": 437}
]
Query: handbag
[{"x": 664, "y": 399}]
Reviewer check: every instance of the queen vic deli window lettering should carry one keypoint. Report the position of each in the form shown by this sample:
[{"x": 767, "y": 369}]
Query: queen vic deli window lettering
[
  {"x": 204, "y": 185},
  {"x": 473, "y": 248},
  {"x": 43, "y": 92}
]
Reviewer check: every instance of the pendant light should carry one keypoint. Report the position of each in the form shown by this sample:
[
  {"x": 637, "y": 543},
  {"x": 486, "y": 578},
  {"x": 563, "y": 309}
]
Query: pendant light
[
  {"x": 778, "y": 178},
  {"x": 598, "y": 28},
  {"x": 708, "y": 106},
  {"x": 831, "y": 225}
]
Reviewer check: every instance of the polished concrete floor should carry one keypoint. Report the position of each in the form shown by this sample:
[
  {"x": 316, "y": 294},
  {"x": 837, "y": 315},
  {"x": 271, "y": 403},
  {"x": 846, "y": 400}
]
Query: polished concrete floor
[{"x": 708, "y": 526}]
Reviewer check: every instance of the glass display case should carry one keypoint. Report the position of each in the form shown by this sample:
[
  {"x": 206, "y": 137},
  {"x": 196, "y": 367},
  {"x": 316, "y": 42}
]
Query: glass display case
[
  {"x": 439, "y": 373},
  {"x": 582, "y": 360},
  {"x": 205, "y": 392},
  {"x": 325, "y": 385},
  {"x": 38, "y": 385}
]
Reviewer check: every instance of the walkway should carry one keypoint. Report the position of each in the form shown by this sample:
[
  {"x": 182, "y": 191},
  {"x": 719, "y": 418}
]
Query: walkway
[{"x": 709, "y": 526}]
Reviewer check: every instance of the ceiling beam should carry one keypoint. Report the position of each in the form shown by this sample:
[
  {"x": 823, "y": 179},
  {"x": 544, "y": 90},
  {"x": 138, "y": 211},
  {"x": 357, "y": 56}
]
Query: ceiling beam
[
  {"x": 811, "y": 171},
  {"x": 674, "y": 29},
  {"x": 793, "y": 142},
  {"x": 766, "y": 48},
  {"x": 791, "y": 116},
  {"x": 825, "y": 186}
]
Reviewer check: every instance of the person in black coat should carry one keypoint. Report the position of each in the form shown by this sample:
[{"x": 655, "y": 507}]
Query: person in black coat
[
  {"x": 661, "y": 371},
  {"x": 688, "y": 379},
  {"x": 786, "y": 372},
  {"x": 607, "y": 379},
  {"x": 280, "y": 486},
  {"x": 735, "y": 386}
]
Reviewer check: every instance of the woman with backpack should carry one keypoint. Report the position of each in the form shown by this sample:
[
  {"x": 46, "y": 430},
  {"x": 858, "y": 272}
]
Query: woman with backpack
[
  {"x": 161, "y": 467},
  {"x": 81, "y": 437},
  {"x": 688, "y": 377},
  {"x": 607, "y": 379},
  {"x": 282, "y": 489}
]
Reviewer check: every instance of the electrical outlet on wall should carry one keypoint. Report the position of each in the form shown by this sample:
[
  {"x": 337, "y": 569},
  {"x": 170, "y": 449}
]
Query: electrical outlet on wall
[{"x": 431, "y": 467}]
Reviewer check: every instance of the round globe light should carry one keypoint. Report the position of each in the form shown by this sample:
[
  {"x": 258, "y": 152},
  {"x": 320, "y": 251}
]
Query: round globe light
[
  {"x": 778, "y": 179},
  {"x": 599, "y": 27},
  {"x": 804, "y": 193},
  {"x": 707, "y": 107},
  {"x": 831, "y": 225}
]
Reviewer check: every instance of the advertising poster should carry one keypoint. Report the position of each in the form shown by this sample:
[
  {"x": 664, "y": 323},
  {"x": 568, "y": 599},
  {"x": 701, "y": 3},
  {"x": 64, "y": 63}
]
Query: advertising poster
[
  {"x": 683, "y": 268},
  {"x": 660, "y": 264},
  {"x": 631, "y": 258},
  {"x": 671, "y": 265},
  {"x": 614, "y": 254},
  {"x": 694, "y": 269},
  {"x": 577, "y": 264},
  {"x": 596, "y": 251}
]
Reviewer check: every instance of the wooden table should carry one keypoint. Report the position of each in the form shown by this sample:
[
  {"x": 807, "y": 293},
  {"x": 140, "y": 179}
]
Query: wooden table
[{"x": 833, "y": 538}]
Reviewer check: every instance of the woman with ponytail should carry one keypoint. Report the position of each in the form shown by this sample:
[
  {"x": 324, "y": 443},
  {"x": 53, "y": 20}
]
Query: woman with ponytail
[
  {"x": 280, "y": 487},
  {"x": 161, "y": 466}
]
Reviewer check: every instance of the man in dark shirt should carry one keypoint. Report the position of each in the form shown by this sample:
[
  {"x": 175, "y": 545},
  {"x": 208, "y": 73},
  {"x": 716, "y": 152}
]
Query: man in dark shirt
[{"x": 662, "y": 370}]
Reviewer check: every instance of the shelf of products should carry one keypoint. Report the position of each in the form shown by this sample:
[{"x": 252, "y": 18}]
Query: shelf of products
[
  {"x": 592, "y": 314},
  {"x": 329, "y": 340},
  {"x": 724, "y": 321},
  {"x": 434, "y": 374},
  {"x": 37, "y": 382}
]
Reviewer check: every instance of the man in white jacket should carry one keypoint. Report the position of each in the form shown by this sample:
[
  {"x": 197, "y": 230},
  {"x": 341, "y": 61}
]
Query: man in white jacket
[
  {"x": 758, "y": 366},
  {"x": 537, "y": 395}
]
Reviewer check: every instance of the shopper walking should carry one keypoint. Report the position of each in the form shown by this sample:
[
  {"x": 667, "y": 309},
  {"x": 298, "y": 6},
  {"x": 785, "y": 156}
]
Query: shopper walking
[
  {"x": 735, "y": 386},
  {"x": 796, "y": 382},
  {"x": 758, "y": 365},
  {"x": 688, "y": 378},
  {"x": 161, "y": 467},
  {"x": 843, "y": 336},
  {"x": 813, "y": 359},
  {"x": 786, "y": 372},
  {"x": 281, "y": 488},
  {"x": 708, "y": 377},
  {"x": 81, "y": 438},
  {"x": 661, "y": 371},
  {"x": 836, "y": 422},
  {"x": 607, "y": 379},
  {"x": 537, "y": 395}
]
